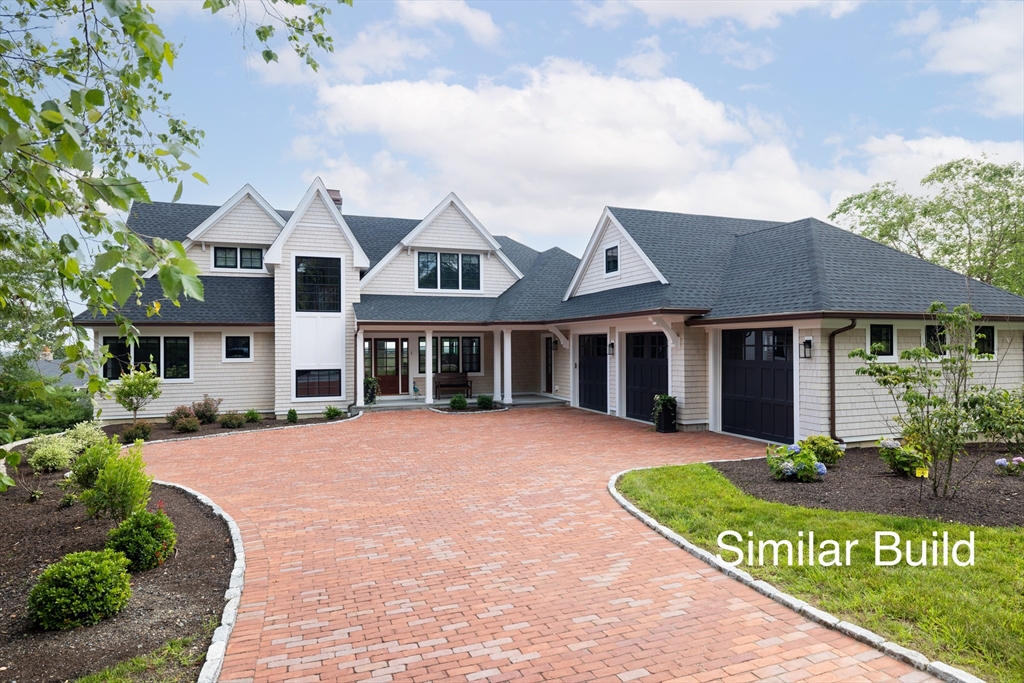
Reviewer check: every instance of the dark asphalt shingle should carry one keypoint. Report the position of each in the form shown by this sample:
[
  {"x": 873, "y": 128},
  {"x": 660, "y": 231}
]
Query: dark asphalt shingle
[{"x": 377, "y": 236}]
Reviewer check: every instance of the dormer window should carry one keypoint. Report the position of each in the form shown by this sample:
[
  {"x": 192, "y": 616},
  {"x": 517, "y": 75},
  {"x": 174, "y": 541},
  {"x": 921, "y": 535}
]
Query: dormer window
[
  {"x": 448, "y": 270},
  {"x": 235, "y": 258},
  {"x": 611, "y": 260}
]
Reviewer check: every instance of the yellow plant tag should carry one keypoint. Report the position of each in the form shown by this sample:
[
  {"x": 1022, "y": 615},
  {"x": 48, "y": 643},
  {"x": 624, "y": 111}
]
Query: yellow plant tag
[{"x": 921, "y": 472}]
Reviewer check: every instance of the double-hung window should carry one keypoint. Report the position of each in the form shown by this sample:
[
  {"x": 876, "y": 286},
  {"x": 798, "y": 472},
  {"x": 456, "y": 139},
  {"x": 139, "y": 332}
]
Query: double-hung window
[
  {"x": 168, "y": 356},
  {"x": 611, "y": 260},
  {"x": 317, "y": 284},
  {"x": 448, "y": 270}
]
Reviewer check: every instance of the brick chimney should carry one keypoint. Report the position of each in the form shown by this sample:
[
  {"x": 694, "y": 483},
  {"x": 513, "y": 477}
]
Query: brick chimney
[{"x": 335, "y": 197}]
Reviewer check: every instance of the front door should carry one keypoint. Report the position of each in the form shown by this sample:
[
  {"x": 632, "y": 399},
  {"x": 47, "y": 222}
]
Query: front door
[
  {"x": 757, "y": 383},
  {"x": 594, "y": 372},
  {"x": 549, "y": 363},
  {"x": 385, "y": 365},
  {"x": 646, "y": 372}
]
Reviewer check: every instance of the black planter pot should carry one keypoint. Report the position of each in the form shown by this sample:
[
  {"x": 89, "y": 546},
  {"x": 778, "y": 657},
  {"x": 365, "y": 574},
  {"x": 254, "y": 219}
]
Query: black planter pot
[
  {"x": 666, "y": 421},
  {"x": 370, "y": 395}
]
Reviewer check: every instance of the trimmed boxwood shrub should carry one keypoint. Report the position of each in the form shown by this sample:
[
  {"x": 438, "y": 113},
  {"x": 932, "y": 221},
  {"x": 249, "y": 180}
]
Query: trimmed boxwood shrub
[
  {"x": 146, "y": 538},
  {"x": 140, "y": 431},
  {"x": 232, "y": 420},
  {"x": 293, "y": 416},
  {"x": 485, "y": 402},
  {"x": 187, "y": 424},
  {"x": 179, "y": 413},
  {"x": 87, "y": 466},
  {"x": 80, "y": 590},
  {"x": 458, "y": 402}
]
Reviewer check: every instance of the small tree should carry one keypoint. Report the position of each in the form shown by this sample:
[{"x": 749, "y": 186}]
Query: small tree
[
  {"x": 137, "y": 389},
  {"x": 936, "y": 403}
]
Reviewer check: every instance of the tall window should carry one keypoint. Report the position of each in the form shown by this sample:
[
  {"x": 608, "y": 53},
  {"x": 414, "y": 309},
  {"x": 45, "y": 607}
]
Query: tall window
[
  {"x": 471, "y": 271},
  {"x": 147, "y": 352},
  {"x": 985, "y": 341},
  {"x": 121, "y": 358},
  {"x": 427, "y": 270},
  {"x": 449, "y": 271},
  {"x": 176, "y": 360},
  {"x": 611, "y": 260},
  {"x": 317, "y": 284},
  {"x": 935, "y": 338},
  {"x": 471, "y": 354},
  {"x": 449, "y": 354},
  {"x": 311, "y": 383},
  {"x": 225, "y": 257},
  {"x": 444, "y": 270},
  {"x": 882, "y": 340}
]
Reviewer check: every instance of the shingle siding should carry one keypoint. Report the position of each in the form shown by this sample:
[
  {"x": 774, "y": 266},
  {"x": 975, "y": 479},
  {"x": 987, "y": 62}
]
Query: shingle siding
[
  {"x": 398, "y": 277},
  {"x": 451, "y": 230},
  {"x": 561, "y": 374},
  {"x": 695, "y": 376},
  {"x": 245, "y": 223},
  {"x": 813, "y": 389},
  {"x": 526, "y": 360},
  {"x": 632, "y": 269}
]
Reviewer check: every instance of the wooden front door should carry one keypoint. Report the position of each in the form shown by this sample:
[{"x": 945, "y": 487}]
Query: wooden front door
[
  {"x": 386, "y": 365},
  {"x": 549, "y": 363}
]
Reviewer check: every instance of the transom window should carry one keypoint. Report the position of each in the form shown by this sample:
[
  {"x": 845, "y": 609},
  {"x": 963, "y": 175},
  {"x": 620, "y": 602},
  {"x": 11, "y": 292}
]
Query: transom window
[
  {"x": 448, "y": 270},
  {"x": 611, "y": 260},
  {"x": 882, "y": 340},
  {"x": 312, "y": 383},
  {"x": 168, "y": 356},
  {"x": 317, "y": 284},
  {"x": 450, "y": 359},
  {"x": 985, "y": 339},
  {"x": 233, "y": 258}
]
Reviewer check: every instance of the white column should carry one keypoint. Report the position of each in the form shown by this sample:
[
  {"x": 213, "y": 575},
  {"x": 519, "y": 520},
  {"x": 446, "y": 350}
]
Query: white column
[
  {"x": 497, "y": 366},
  {"x": 360, "y": 369},
  {"x": 430, "y": 367},
  {"x": 508, "y": 367}
]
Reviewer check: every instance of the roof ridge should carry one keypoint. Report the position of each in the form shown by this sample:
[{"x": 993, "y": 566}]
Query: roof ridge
[
  {"x": 819, "y": 282},
  {"x": 697, "y": 215}
]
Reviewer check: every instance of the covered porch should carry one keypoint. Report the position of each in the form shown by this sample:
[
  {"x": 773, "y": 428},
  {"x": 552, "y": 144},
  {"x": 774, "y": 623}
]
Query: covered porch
[{"x": 420, "y": 365}]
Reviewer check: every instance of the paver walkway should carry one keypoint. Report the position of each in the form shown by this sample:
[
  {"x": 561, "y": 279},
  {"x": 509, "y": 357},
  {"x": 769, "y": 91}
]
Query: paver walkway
[{"x": 423, "y": 547}]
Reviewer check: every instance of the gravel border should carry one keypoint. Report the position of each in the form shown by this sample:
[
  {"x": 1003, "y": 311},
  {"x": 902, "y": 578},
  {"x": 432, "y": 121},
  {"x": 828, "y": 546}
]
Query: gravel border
[{"x": 938, "y": 669}]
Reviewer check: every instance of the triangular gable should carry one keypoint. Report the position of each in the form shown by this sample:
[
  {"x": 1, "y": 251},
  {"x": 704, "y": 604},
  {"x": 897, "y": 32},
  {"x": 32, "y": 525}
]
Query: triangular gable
[
  {"x": 406, "y": 242},
  {"x": 607, "y": 219},
  {"x": 317, "y": 189},
  {"x": 246, "y": 191}
]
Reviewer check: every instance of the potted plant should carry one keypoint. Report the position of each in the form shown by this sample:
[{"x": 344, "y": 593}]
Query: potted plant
[
  {"x": 664, "y": 413},
  {"x": 371, "y": 385}
]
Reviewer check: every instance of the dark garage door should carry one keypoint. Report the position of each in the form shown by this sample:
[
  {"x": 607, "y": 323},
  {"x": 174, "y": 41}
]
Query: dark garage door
[
  {"x": 594, "y": 372},
  {"x": 757, "y": 383},
  {"x": 646, "y": 372}
]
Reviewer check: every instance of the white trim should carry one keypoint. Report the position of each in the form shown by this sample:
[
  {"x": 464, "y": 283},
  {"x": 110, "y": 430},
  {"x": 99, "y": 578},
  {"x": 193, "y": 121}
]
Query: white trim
[
  {"x": 891, "y": 358},
  {"x": 437, "y": 291},
  {"x": 224, "y": 346},
  {"x": 238, "y": 269},
  {"x": 715, "y": 379},
  {"x": 246, "y": 191},
  {"x": 406, "y": 242},
  {"x": 496, "y": 363},
  {"x": 607, "y": 218},
  {"x": 161, "y": 334},
  {"x": 618, "y": 260},
  {"x": 317, "y": 188},
  {"x": 317, "y": 314},
  {"x": 507, "y": 367},
  {"x": 673, "y": 336},
  {"x": 558, "y": 335}
]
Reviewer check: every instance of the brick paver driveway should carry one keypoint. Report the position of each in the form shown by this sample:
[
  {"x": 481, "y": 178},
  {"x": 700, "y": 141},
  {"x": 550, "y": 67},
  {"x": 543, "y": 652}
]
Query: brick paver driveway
[{"x": 426, "y": 547}]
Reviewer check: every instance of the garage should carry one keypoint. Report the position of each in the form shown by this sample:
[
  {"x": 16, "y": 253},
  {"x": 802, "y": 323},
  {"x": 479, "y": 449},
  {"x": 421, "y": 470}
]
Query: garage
[
  {"x": 757, "y": 383},
  {"x": 593, "y": 372},
  {"x": 646, "y": 372}
]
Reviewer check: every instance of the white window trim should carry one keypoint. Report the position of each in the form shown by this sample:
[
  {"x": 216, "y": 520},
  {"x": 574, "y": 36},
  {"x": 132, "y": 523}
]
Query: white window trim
[
  {"x": 316, "y": 399},
  {"x": 131, "y": 352},
  {"x": 924, "y": 341},
  {"x": 436, "y": 335},
  {"x": 892, "y": 358},
  {"x": 294, "y": 257},
  {"x": 995, "y": 343},
  {"x": 224, "y": 346},
  {"x": 604, "y": 259},
  {"x": 238, "y": 269},
  {"x": 446, "y": 292}
]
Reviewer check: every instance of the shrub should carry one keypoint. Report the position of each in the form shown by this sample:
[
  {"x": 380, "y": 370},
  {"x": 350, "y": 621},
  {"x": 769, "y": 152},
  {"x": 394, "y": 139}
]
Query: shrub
[
  {"x": 58, "y": 410},
  {"x": 823, "y": 448},
  {"x": 902, "y": 460},
  {"x": 80, "y": 590},
  {"x": 253, "y": 415},
  {"x": 146, "y": 538},
  {"x": 137, "y": 389},
  {"x": 333, "y": 412},
  {"x": 179, "y": 413},
  {"x": 140, "y": 431},
  {"x": 485, "y": 402},
  {"x": 231, "y": 420},
  {"x": 85, "y": 434},
  {"x": 187, "y": 424},
  {"x": 207, "y": 409},
  {"x": 1013, "y": 468},
  {"x": 793, "y": 462},
  {"x": 87, "y": 466},
  {"x": 51, "y": 453},
  {"x": 293, "y": 416},
  {"x": 458, "y": 402},
  {"x": 121, "y": 488}
]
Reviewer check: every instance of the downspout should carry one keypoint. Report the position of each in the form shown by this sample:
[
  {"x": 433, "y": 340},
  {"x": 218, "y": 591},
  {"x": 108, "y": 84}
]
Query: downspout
[{"x": 832, "y": 377}]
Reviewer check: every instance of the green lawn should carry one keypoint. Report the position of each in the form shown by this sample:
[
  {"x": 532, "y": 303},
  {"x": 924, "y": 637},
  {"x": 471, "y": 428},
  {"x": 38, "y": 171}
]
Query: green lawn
[{"x": 969, "y": 617}]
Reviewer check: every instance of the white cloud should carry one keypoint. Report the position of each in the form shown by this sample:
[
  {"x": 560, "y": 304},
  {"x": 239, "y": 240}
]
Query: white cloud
[
  {"x": 989, "y": 46},
  {"x": 607, "y": 14},
  {"x": 752, "y": 14},
  {"x": 477, "y": 23},
  {"x": 744, "y": 55},
  {"x": 925, "y": 22},
  {"x": 647, "y": 61}
]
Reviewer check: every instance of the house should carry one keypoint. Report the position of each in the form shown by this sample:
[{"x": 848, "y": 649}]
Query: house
[{"x": 738, "y": 319}]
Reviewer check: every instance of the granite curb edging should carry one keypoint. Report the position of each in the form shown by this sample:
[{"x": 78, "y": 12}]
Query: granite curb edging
[
  {"x": 210, "y": 672},
  {"x": 938, "y": 669},
  {"x": 468, "y": 412}
]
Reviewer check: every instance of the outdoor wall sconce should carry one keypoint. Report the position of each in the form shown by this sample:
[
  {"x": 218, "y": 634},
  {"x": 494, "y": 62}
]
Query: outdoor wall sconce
[
  {"x": 611, "y": 348},
  {"x": 805, "y": 348}
]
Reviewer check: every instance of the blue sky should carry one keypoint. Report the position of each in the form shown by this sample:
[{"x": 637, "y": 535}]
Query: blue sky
[{"x": 538, "y": 114}]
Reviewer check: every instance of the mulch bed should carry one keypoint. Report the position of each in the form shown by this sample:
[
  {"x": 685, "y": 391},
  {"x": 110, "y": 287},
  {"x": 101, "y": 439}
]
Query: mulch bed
[
  {"x": 163, "y": 431},
  {"x": 861, "y": 481},
  {"x": 174, "y": 600}
]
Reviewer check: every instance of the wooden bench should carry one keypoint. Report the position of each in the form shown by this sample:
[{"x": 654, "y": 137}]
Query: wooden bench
[{"x": 452, "y": 380}]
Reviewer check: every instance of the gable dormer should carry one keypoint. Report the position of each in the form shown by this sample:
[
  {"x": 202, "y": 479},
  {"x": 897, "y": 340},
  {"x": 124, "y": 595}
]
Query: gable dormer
[
  {"x": 611, "y": 260},
  {"x": 233, "y": 239},
  {"x": 449, "y": 253}
]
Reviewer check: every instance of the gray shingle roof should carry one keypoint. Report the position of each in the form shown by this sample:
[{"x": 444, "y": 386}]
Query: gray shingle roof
[
  {"x": 378, "y": 236},
  {"x": 411, "y": 308},
  {"x": 173, "y": 221},
  {"x": 520, "y": 254},
  {"x": 52, "y": 369},
  {"x": 228, "y": 301}
]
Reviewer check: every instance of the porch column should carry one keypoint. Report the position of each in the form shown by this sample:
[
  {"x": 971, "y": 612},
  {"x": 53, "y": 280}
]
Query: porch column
[
  {"x": 508, "y": 367},
  {"x": 360, "y": 369},
  {"x": 429, "y": 389},
  {"x": 497, "y": 366}
]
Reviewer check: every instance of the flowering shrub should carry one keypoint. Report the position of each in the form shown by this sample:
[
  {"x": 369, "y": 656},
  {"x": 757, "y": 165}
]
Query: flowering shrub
[
  {"x": 789, "y": 462},
  {"x": 902, "y": 460},
  {"x": 823, "y": 447},
  {"x": 1013, "y": 468}
]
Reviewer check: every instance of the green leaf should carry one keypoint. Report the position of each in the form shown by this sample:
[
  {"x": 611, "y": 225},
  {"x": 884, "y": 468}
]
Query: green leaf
[
  {"x": 123, "y": 282},
  {"x": 52, "y": 116},
  {"x": 269, "y": 56},
  {"x": 177, "y": 193},
  {"x": 192, "y": 286},
  {"x": 94, "y": 98},
  {"x": 83, "y": 161},
  {"x": 199, "y": 176},
  {"x": 67, "y": 146},
  {"x": 22, "y": 108},
  {"x": 107, "y": 260},
  {"x": 68, "y": 244}
]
